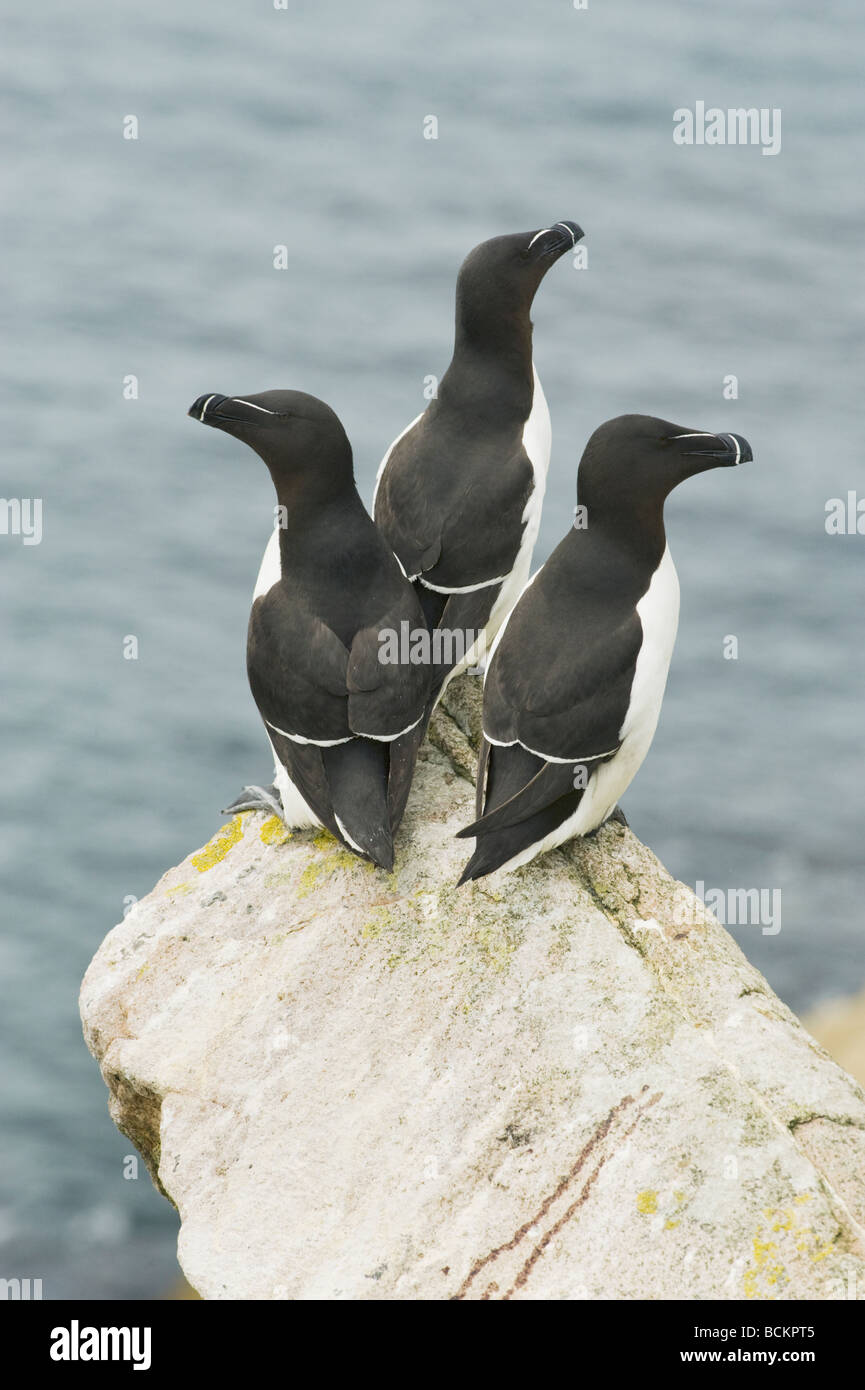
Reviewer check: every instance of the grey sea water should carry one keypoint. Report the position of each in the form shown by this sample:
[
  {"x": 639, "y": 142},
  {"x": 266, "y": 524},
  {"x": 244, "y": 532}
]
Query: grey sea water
[{"x": 154, "y": 257}]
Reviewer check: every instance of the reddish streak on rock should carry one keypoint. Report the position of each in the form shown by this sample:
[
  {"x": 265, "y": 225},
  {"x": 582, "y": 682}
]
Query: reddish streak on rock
[
  {"x": 599, "y": 1134},
  {"x": 563, "y": 1220}
]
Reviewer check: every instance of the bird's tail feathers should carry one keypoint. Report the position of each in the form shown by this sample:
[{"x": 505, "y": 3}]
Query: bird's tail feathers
[
  {"x": 549, "y": 782},
  {"x": 357, "y": 775}
]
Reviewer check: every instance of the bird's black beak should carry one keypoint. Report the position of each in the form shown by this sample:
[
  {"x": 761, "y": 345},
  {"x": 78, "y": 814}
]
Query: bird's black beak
[
  {"x": 551, "y": 242},
  {"x": 726, "y": 449},
  {"x": 206, "y": 409}
]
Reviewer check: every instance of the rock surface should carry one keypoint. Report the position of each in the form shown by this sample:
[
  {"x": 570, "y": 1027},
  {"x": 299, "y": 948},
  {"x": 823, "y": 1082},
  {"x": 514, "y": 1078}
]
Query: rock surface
[{"x": 566, "y": 1083}]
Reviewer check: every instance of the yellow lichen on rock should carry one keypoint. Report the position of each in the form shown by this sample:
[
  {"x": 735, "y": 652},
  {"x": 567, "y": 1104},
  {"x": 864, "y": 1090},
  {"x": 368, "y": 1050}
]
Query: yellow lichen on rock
[
  {"x": 274, "y": 832},
  {"x": 179, "y": 888},
  {"x": 218, "y": 847},
  {"x": 372, "y": 928},
  {"x": 322, "y": 867},
  {"x": 766, "y": 1267}
]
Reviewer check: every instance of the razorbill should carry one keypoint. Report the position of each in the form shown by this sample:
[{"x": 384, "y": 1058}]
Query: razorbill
[
  {"x": 458, "y": 494},
  {"x": 576, "y": 677},
  {"x": 340, "y": 721}
]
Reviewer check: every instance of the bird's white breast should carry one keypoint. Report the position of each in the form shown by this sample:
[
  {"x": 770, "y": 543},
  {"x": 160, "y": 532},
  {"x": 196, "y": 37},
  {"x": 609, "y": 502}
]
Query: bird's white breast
[
  {"x": 296, "y": 812},
  {"x": 659, "y": 618},
  {"x": 537, "y": 442},
  {"x": 270, "y": 571}
]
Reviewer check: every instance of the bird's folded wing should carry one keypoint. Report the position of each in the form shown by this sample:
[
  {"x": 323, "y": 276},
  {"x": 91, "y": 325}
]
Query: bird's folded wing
[
  {"x": 409, "y": 515},
  {"x": 298, "y": 671},
  {"x": 570, "y": 714},
  {"x": 386, "y": 697},
  {"x": 432, "y": 524},
  {"x": 569, "y": 707}
]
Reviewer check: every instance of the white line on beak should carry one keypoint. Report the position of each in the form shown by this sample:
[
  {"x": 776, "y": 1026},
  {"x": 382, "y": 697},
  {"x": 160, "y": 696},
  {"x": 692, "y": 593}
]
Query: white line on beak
[
  {"x": 567, "y": 229},
  {"x": 204, "y": 407}
]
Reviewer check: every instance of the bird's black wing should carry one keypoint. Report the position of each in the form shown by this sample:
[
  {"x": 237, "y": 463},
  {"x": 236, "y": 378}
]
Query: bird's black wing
[
  {"x": 452, "y": 508},
  {"x": 320, "y": 700},
  {"x": 567, "y": 712},
  {"x": 298, "y": 669},
  {"x": 310, "y": 686},
  {"x": 563, "y": 703},
  {"x": 544, "y": 783},
  {"x": 386, "y": 697}
]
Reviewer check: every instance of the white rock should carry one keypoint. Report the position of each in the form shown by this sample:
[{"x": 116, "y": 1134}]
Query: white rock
[{"x": 356, "y": 1085}]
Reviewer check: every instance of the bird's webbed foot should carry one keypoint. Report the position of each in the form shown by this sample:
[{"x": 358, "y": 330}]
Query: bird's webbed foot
[{"x": 255, "y": 798}]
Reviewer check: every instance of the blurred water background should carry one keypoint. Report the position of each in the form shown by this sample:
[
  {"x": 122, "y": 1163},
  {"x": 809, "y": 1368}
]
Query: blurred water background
[{"x": 154, "y": 257}]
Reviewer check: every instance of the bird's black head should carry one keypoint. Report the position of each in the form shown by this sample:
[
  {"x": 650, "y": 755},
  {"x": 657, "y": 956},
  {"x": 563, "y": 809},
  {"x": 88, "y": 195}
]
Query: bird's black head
[
  {"x": 298, "y": 436},
  {"x": 638, "y": 458},
  {"x": 499, "y": 278}
]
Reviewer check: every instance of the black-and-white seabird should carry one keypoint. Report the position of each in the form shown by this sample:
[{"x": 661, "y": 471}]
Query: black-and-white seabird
[
  {"x": 459, "y": 493},
  {"x": 576, "y": 677},
  {"x": 341, "y": 721}
]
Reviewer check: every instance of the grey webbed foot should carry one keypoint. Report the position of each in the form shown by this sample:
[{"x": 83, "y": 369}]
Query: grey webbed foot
[
  {"x": 256, "y": 799},
  {"x": 618, "y": 815}
]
